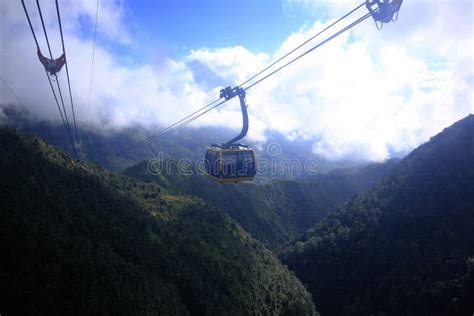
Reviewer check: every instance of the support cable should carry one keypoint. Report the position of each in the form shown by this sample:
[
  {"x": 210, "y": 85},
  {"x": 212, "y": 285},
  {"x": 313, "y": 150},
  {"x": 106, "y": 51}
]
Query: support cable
[
  {"x": 57, "y": 81},
  {"x": 67, "y": 70},
  {"x": 165, "y": 133},
  {"x": 49, "y": 79},
  {"x": 13, "y": 92},
  {"x": 92, "y": 64},
  {"x": 301, "y": 45}
]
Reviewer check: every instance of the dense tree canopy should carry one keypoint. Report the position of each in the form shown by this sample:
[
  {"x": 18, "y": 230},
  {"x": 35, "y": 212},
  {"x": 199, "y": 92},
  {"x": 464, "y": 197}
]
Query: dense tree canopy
[
  {"x": 77, "y": 239},
  {"x": 274, "y": 213},
  {"x": 406, "y": 247},
  {"x": 384, "y": 239}
]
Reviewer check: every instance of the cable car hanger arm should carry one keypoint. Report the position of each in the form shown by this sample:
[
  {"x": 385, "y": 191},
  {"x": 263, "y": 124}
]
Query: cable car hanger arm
[
  {"x": 383, "y": 11},
  {"x": 228, "y": 93}
]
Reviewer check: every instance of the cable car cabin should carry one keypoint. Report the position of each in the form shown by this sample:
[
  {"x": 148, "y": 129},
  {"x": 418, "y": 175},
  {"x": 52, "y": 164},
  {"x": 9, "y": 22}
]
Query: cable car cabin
[
  {"x": 232, "y": 161},
  {"x": 233, "y": 164}
]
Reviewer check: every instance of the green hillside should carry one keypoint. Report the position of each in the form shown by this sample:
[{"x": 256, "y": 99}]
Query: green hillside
[
  {"x": 77, "y": 239},
  {"x": 405, "y": 247},
  {"x": 274, "y": 213}
]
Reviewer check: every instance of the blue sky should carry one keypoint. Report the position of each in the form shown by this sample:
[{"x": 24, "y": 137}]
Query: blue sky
[
  {"x": 364, "y": 95},
  {"x": 174, "y": 27}
]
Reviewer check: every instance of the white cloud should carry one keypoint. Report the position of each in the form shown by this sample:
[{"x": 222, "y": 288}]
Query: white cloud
[
  {"x": 232, "y": 63},
  {"x": 372, "y": 93},
  {"x": 363, "y": 95}
]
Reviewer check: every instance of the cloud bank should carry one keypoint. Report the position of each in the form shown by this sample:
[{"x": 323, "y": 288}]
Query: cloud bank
[{"x": 366, "y": 95}]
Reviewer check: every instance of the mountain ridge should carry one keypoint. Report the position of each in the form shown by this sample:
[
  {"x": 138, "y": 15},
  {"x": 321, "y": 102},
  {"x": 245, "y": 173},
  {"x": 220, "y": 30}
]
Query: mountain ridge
[
  {"x": 79, "y": 239},
  {"x": 405, "y": 246}
]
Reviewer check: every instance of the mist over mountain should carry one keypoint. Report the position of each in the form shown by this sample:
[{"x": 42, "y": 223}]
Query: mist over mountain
[{"x": 117, "y": 149}]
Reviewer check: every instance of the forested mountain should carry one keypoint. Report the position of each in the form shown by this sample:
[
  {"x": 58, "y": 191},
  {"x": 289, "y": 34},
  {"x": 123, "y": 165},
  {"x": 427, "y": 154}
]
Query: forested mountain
[
  {"x": 77, "y": 239},
  {"x": 405, "y": 247},
  {"x": 274, "y": 213},
  {"x": 394, "y": 238}
]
